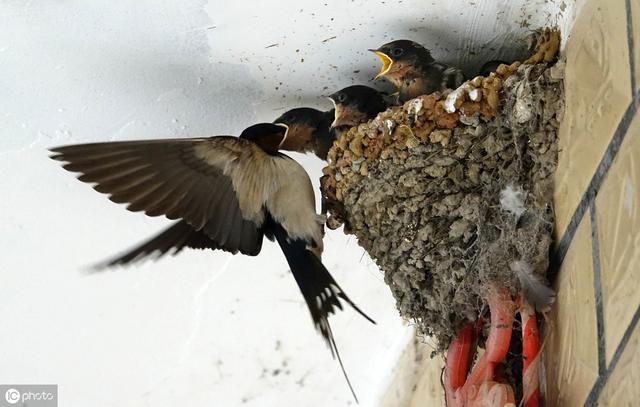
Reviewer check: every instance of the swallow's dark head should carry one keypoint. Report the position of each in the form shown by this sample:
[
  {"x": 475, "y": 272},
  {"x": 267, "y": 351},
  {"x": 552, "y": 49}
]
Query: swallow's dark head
[
  {"x": 305, "y": 126},
  {"x": 356, "y": 104},
  {"x": 400, "y": 56},
  {"x": 302, "y": 115},
  {"x": 268, "y": 136}
]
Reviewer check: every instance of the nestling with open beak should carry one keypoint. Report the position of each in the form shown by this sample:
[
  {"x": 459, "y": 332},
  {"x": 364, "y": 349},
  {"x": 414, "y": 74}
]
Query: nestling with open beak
[
  {"x": 412, "y": 69},
  {"x": 228, "y": 193},
  {"x": 314, "y": 130}
]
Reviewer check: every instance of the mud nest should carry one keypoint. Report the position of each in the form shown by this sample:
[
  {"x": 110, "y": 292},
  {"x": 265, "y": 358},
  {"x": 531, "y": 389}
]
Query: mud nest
[{"x": 449, "y": 192}]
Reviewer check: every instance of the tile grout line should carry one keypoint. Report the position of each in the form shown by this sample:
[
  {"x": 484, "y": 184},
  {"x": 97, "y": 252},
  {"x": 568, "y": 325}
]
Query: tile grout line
[
  {"x": 597, "y": 289},
  {"x": 594, "y": 394},
  {"x": 631, "y": 45}
]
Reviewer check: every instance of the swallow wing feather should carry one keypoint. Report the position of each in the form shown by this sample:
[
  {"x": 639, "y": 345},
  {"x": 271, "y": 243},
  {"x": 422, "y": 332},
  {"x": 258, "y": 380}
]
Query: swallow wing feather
[
  {"x": 213, "y": 184},
  {"x": 171, "y": 240}
]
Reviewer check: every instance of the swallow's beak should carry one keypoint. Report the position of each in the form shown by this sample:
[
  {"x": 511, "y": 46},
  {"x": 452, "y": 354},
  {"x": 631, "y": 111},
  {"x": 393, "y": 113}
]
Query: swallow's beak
[
  {"x": 285, "y": 133},
  {"x": 386, "y": 63},
  {"x": 347, "y": 116},
  {"x": 337, "y": 109}
]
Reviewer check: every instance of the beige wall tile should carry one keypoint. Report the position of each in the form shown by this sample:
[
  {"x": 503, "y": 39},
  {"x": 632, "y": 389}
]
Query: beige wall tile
[
  {"x": 622, "y": 387},
  {"x": 416, "y": 378},
  {"x": 570, "y": 345},
  {"x": 618, "y": 214},
  {"x": 429, "y": 387},
  {"x": 597, "y": 84}
]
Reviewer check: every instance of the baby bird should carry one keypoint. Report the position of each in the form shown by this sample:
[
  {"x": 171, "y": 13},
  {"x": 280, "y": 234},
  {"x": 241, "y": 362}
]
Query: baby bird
[
  {"x": 313, "y": 130},
  {"x": 356, "y": 104},
  {"x": 309, "y": 130},
  {"x": 414, "y": 72}
]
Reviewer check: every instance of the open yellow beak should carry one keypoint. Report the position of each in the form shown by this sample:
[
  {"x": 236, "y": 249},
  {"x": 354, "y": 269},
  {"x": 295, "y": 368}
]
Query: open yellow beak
[
  {"x": 386, "y": 63},
  {"x": 285, "y": 133}
]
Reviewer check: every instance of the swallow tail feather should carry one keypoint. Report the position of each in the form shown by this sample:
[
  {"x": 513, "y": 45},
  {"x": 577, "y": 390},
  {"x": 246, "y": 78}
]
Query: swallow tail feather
[{"x": 320, "y": 291}]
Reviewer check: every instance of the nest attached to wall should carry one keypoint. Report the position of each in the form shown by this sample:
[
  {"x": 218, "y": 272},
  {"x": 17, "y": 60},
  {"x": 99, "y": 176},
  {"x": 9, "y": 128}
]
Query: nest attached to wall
[{"x": 451, "y": 190}]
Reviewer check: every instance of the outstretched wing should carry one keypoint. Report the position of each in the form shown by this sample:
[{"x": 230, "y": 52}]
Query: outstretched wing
[
  {"x": 171, "y": 240},
  {"x": 213, "y": 184}
]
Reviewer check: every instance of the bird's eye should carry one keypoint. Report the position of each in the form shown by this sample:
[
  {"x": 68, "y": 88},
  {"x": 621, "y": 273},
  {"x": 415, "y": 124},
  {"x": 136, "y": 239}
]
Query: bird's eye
[
  {"x": 396, "y": 52},
  {"x": 342, "y": 98}
]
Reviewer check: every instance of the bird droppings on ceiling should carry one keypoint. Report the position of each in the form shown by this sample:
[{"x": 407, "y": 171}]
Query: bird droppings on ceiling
[{"x": 334, "y": 36}]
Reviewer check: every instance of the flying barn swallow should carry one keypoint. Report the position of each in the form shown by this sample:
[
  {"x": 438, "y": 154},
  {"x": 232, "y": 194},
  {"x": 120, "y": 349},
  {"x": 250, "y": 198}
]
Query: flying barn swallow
[
  {"x": 314, "y": 130},
  {"x": 412, "y": 69},
  {"x": 228, "y": 193}
]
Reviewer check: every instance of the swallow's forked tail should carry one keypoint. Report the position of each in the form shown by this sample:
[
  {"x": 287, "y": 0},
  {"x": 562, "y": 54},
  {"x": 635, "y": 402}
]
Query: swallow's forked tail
[{"x": 320, "y": 291}]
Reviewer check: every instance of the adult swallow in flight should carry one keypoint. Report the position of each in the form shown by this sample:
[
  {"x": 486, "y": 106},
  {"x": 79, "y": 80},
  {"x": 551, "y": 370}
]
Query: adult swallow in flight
[
  {"x": 228, "y": 193},
  {"x": 412, "y": 69},
  {"x": 315, "y": 130}
]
